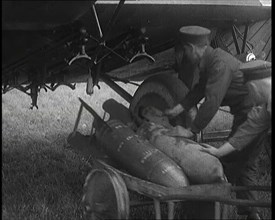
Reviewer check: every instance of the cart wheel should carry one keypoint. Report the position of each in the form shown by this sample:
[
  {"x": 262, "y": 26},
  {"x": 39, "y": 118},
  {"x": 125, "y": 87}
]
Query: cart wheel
[
  {"x": 161, "y": 91},
  {"x": 105, "y": 195}
]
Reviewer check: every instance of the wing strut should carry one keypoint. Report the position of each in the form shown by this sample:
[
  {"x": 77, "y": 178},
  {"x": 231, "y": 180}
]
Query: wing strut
[
  {"x": 245, "y": 37},
  {"x": 235, "y": 39},
  {"x": 95, "y": 62},
  {"x": 240, "y": 53},
  {"x": 103, "y": 36}
]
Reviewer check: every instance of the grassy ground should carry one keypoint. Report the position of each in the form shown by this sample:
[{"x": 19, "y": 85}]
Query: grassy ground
[{"x": 40, "y": 178}]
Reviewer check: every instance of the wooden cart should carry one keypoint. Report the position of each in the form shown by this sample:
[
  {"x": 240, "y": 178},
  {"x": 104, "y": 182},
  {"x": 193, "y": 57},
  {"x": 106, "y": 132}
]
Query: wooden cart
[{"x": 106, "y": 189}]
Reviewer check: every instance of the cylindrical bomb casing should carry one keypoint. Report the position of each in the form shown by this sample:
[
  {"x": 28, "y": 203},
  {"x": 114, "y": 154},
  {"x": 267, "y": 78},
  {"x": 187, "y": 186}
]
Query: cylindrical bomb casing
[
  {"x": 200, "y": 167},
  {"x": 138, "y": 156}
]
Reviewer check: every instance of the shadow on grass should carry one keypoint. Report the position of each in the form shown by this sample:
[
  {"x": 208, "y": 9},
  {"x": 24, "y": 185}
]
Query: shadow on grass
[{"x": 117, "y": 111}]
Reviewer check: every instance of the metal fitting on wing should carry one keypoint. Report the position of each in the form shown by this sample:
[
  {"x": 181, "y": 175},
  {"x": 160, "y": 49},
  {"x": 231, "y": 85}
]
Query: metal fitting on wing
[{"x": 250, "y": 56}]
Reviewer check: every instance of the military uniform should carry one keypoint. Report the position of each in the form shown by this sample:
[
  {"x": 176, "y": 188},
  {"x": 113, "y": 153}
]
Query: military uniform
[{"x": 221, "y": 83}]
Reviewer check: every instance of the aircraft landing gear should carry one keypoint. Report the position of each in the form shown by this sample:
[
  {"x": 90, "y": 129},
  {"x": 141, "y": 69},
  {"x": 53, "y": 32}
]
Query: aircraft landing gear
[{"x": 161, "y": 91}]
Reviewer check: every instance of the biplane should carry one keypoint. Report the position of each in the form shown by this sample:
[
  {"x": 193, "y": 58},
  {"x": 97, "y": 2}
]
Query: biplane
[{"x": 46, "y": 44}]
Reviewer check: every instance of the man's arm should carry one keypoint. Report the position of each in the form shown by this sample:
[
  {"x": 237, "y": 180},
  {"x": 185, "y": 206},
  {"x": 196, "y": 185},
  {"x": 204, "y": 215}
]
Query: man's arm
[
  {"x": 195, "y": 95},
  {"x": 258, "y": 121},
  {"x": 223, "y": 150},
  {"x": 190, "y": 100},
  {"x": 218, "y": 82}
]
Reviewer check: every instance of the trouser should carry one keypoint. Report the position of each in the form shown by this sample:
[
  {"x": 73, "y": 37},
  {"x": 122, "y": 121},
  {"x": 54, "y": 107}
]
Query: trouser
[{"x": 240, "y": 166}]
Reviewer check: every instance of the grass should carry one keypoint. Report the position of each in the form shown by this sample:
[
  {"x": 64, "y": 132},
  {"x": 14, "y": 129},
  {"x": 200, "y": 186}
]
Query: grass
[{"x": 43, "y": 180}]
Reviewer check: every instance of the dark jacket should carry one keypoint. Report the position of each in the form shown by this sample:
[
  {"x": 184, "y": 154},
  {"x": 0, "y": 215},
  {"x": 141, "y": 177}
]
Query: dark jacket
[{"x": 221, "y": 84}]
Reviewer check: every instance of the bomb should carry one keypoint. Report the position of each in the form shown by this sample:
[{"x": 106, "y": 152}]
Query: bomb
[
  {"x": 136, "y": 155},
  {"x": 200, "y": 167}
]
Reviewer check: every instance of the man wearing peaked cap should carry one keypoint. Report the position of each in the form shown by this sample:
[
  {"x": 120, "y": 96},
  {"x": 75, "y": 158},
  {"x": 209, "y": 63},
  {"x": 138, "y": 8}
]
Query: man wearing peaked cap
[
  {"x": 195, "y": 35},
  {"x": 221, "y": 83}
]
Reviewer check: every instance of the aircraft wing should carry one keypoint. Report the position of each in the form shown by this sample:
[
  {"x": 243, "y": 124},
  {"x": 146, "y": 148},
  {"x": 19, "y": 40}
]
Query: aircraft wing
[{"x": 65, "y": 41}]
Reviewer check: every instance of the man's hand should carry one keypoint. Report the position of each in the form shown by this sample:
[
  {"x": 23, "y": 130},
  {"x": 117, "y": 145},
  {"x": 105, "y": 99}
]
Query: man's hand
[
  {"x": 190, "y": 116},
  {"x": 209, "y": 149},
  {"x": 223, "y": 150},
  {"x": 179, "y": 131},
  {"x": 173, "y": 112}
]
